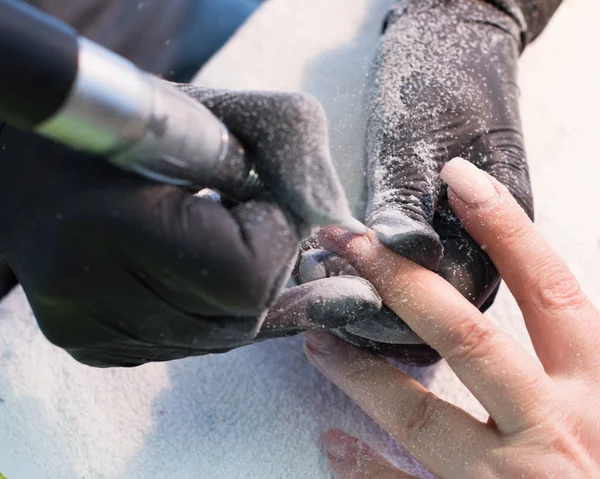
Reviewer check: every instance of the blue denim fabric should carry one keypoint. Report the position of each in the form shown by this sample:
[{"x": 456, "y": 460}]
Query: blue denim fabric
[{"x": 212, "y": 23}]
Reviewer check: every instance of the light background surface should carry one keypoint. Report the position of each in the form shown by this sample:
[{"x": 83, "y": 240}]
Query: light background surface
[{"x": 258, "y": 412}]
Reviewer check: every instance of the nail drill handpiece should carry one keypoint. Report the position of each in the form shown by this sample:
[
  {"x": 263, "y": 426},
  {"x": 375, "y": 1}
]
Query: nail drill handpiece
[{"x": 73, "y": 91}]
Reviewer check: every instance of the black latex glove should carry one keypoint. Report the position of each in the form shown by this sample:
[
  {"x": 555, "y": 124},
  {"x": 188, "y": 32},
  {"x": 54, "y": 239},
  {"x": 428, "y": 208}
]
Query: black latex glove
[
  {"x": 445, "y": 85},
  {"x": 7, "y": 278},
  {"x": 122, "y": 271}
]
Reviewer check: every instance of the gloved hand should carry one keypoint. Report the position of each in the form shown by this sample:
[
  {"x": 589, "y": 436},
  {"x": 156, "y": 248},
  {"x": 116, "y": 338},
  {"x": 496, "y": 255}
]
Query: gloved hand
[
  {"x": 7, "y": 278},
  {"x": 120, "y": 271},
  {"x": 445, "y": 85}
]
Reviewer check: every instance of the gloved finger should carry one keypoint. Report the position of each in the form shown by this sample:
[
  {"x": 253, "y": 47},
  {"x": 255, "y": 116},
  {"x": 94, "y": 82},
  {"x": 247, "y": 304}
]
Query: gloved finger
[
  {"x": 106, "y": 311},
  {"x": 7, "y": 278},
  {"x": 329, "y": 303},
  {"x": 502, "y": 155},
  {"x": 385, "y": 327},
  {"x": 407, "y": 141},
  {"x": 199, "y": 254},
  {"x": 286, "y": 135},
  {"x": 317, "y": 264},
  {"x": 403, "y": 187},
  {"x": 322, "y": 304},
  {"x": 194, "y": 252},
  {"x": 497, "y": 145},
  {"x": 465, "y": 265}
]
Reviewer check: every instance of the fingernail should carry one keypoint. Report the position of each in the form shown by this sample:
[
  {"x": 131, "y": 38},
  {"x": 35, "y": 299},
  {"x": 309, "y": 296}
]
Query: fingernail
[
  {"x": 469, "y": 183},
  {"x": 337, "y": 239},
  {"x": 339, "y": 445},
  {"x": 320, "y": 342}
]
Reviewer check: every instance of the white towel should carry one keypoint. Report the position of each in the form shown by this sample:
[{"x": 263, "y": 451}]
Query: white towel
[{"x": 258, "y": 412}]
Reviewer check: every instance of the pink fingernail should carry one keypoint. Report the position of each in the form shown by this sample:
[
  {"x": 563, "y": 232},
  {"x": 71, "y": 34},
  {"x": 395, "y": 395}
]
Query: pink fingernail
[
  {"x": 469, "y": 183},
  {"x": 340, "y": 445},
  {"x": 335, "y": 238}
]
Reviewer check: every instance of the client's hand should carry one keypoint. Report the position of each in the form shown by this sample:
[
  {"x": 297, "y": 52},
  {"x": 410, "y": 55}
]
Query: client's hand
[{"x": 544, "y": 419}]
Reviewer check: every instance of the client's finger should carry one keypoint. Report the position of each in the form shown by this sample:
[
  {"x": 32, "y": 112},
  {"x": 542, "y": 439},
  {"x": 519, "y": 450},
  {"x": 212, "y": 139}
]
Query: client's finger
[
  {"x": 505, "y": 379},
  {"x": 426, "y": 425},
  {"x": 558, "y": 315},
  {"x": 350, "y": 458}
]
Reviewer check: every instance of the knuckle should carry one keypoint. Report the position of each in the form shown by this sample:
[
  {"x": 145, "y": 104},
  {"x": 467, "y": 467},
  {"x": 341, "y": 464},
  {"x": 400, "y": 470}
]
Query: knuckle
[
  {"x": 472, "y": 338},
  {"x": 557, "y": 290},
  {"x": 421, "y": 417}
]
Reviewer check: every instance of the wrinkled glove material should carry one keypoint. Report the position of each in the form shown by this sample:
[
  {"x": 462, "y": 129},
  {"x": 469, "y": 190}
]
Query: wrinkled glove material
[{"x": 444, "y": 85}]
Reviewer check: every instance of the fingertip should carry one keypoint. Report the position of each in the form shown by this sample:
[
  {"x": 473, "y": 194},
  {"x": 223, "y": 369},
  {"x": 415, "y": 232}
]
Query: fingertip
[
  {"x": 489, "y": 214},
  {"x": 469, "y": 183},
  {"x": 332, "y": 435},
  {"x": 344, "y": 242},
  {"x": 334, "y": 236},
  {"x": 485, "y": 206},
  {"x": 457, "y": 168},
  {"x": 339, "y": 445},
  {"x": 450, "y": 167}
]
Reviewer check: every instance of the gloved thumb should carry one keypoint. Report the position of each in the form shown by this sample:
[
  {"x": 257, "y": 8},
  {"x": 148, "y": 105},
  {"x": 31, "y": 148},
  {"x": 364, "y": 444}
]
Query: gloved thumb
[
  {"x": 287, "y": 137},
  {"x": 404, "y": 189}
]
